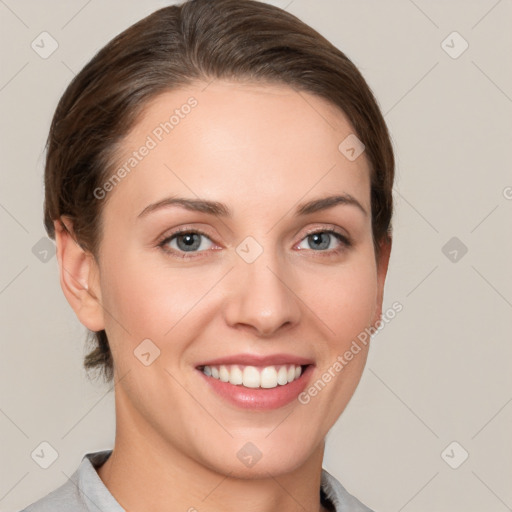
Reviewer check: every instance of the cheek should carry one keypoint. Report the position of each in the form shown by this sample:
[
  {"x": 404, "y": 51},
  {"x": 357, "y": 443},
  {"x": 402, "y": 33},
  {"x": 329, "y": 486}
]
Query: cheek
[
  {"x": 344, "y": 299},
  {"x": 144, "y": 301},
  {"x": 347, "y": 307}
]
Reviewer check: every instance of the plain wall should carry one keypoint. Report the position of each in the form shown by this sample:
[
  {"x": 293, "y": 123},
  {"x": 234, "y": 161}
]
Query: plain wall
[{"x": 439, "y": 372}]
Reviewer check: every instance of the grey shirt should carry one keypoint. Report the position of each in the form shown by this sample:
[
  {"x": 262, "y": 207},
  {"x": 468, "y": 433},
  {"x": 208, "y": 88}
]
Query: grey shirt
[{"x": 86, "y": 492}]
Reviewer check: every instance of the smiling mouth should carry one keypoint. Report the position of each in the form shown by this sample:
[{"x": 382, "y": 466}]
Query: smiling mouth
[{"x": 264, "y": 377}]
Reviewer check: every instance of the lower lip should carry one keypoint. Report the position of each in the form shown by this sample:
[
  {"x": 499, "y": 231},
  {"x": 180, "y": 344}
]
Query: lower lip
[{"x": 260, "y": 398}]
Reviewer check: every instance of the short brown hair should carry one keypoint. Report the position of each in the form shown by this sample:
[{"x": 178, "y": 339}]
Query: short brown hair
[{"x": 198, "y": 40}]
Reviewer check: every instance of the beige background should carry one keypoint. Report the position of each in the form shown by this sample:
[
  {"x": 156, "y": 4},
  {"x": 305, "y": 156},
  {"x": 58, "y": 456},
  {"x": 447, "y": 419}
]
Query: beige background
[{"x": 439, "y": 372}]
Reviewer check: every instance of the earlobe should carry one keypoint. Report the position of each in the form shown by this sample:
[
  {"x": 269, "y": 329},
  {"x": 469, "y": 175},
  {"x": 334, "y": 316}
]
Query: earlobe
[{"x": 79, "y": 278}]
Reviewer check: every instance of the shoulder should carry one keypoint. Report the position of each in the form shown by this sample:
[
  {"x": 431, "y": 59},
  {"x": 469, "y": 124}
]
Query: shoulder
[
  {"x": 341, "y": 499},
  {"x": 82, "y": 491},
  {"x": 64, "y": 498}
]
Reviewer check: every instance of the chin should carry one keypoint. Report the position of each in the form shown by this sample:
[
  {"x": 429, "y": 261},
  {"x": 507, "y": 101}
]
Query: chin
[{"x": 247, "y": 459}]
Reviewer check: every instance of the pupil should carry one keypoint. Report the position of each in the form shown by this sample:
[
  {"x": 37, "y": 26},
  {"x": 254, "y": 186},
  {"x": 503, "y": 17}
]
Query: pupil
[
  {"x": 317, "y": 238},
  {"x": 188, "y": 241}
]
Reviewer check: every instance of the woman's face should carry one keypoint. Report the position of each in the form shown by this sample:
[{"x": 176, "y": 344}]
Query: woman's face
[{"x": 254, "y": 283}]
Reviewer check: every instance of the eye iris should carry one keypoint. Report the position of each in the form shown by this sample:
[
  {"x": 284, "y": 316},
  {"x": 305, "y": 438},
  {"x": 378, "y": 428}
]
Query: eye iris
[
  {"x": 189, "y": 241},
  {"x": 317, "y": 237}
]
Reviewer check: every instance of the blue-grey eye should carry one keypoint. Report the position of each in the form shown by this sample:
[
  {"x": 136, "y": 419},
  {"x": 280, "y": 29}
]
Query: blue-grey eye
[
  {"x": 189, "y": 241},
  {"x": 322, "y": 240}
]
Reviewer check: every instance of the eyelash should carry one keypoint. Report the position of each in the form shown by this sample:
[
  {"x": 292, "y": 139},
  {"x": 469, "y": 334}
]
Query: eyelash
[{"x": 346, "y": 242}]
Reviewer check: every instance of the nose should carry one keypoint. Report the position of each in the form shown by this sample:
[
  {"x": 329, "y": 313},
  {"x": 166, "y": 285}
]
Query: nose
[{"x": 262, "y": 297}]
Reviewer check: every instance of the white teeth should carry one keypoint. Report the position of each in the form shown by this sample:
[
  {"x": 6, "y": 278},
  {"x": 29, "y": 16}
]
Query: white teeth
[
  {"x": 223, "y": 374},
  {"x": 254, "y": 377},
  {"x": 268, "y": 377},
  {"x": 235, "y": 376},
  {"x": 251, "y": 377},
  {"x": 282, "y": 376}
]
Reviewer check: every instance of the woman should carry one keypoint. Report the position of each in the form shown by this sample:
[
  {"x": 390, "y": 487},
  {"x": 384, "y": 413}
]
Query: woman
[{"x": 219, "y": 185}]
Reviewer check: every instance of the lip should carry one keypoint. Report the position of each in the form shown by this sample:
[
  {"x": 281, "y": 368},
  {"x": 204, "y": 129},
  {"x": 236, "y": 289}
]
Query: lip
[
  {"x": 258, "y": 398},
  {"x": 258, "y": 360}
]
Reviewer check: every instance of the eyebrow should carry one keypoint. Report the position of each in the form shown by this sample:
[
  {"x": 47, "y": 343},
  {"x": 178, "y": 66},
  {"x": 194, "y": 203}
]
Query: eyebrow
[{"x": 221, "y": 210}]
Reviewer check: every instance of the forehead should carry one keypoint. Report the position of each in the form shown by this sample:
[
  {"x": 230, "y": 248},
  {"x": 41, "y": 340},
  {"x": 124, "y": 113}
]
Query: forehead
[{"x": 237, "y": 142}]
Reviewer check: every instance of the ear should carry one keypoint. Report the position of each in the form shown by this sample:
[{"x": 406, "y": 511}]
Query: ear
[
  {"x": 382, "y": 269},
  {"x": 79, "y": 277}
]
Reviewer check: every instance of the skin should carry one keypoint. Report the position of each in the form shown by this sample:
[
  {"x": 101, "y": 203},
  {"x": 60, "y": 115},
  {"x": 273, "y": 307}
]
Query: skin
[{"x": 261, "y": 150}]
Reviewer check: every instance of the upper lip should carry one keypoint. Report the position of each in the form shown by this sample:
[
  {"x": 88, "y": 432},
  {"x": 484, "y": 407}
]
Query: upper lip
[{"x": 258, "y": 360}]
